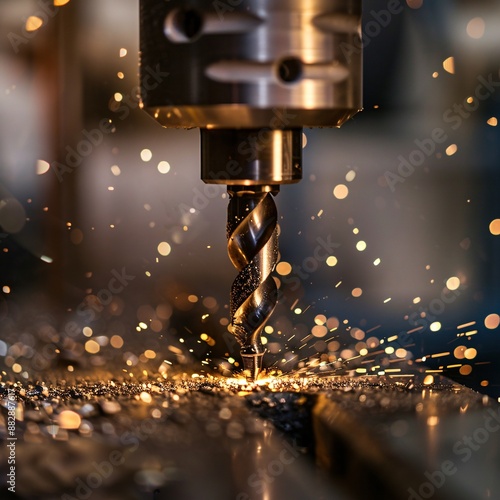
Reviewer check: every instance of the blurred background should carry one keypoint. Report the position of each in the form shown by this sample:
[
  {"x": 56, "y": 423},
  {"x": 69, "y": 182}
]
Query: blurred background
[{"x": 113, "y": 252}]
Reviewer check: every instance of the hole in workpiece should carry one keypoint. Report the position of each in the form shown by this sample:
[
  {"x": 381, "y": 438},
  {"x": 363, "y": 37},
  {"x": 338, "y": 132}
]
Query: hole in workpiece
[
  {"x": 183, "y": 25},
  {"x": 290, "y": 70}
]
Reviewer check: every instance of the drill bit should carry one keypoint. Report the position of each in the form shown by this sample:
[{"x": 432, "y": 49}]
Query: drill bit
[{"x": 253, "y": 249}]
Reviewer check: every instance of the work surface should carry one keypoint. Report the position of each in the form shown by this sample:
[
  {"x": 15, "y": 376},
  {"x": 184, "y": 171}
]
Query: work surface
[{"x": 209, "y": 437}]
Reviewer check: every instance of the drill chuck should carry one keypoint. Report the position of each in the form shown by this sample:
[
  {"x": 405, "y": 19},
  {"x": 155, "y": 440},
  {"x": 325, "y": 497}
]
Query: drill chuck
[{"x": 261, "y": 64}]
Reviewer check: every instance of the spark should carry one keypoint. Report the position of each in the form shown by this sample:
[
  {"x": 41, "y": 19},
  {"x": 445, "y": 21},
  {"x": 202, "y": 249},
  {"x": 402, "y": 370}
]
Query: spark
[
  {"x": 341, "y": 191},
  {"x": 361, "y": 246},
  {"x": 449, "y": 65},
  {"x": 465, "y": 325},
  {"x": 164, "y": 167},
  {"x": 33, "y": 23}
]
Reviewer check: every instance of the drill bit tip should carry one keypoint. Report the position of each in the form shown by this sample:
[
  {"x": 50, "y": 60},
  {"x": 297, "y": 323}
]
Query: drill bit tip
[{"x": 252, "y": 365}]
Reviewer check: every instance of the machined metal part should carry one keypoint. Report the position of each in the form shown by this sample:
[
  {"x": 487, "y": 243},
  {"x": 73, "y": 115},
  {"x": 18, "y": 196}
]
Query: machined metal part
[
  {"x": 251, "y": 157},
  {"x": 232, "y": 65}
]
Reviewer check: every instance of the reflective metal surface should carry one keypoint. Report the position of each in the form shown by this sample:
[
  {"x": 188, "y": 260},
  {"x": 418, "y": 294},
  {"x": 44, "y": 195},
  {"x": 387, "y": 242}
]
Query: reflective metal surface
[
  {"x": 151, "y": 440},
  {"x": 232, "y": 65},
  {"x": 206, "y": 437},
  {"x": 253, "y": 249},
  {"x": 418, "y": 438},
  {"x": 251, "y": 157}
]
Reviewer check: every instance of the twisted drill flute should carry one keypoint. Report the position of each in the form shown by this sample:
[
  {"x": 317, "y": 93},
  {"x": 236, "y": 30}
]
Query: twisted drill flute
[{"x": 253, "y": 249}]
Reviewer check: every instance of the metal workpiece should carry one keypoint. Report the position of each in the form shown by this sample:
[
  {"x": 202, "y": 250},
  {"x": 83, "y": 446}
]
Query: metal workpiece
[
  {"x": 252, "y": 235},
  {"x": 390, "y": 438},
  {"x": 409, "y": 440},
  {"x": 233, "y": 66},
  {"x": 188, "y": 440}
]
